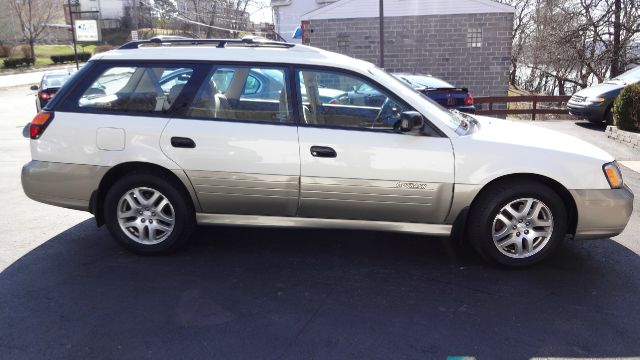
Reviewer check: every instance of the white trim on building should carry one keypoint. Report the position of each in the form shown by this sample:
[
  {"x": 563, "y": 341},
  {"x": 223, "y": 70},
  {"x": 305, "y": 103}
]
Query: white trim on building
[{"x": 353, "y": 9}]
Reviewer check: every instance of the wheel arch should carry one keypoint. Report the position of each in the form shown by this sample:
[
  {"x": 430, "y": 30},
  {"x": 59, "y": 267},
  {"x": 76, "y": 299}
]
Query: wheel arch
[
  {"x": 117, "y": 172},
  {"x": 564, "y": 194}
]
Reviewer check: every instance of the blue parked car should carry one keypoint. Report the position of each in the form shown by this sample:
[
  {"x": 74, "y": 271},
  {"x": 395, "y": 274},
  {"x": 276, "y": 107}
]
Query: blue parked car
[{"x": 442, "y": 92}]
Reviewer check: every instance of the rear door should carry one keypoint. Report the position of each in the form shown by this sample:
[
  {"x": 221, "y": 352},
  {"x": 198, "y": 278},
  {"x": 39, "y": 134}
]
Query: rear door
[
  {"x": 239, "y": 149},
  {"x": 356, "y": 165}
]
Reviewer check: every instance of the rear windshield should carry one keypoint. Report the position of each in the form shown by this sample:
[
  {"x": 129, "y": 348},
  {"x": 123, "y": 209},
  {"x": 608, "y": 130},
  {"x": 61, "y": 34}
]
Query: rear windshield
[{"x": 55, "y": 80}]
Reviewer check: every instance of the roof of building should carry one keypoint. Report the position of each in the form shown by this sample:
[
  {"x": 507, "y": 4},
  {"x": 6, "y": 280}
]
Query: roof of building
[
  {"x": 352, "y": 9},
  {"x": 298, "y": 54}
]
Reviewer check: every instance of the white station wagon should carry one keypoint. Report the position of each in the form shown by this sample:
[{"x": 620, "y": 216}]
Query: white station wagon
[{"x": 154, "y": 138}]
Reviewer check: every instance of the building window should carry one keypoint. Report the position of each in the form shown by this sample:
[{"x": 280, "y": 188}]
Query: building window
[{"x": 474, "y": 38}]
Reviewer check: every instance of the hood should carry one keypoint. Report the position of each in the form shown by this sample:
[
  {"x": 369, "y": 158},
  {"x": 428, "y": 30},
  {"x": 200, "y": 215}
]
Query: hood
[
  {"x": 522, "y": 134},
  {"x": 601, "y": 89}
]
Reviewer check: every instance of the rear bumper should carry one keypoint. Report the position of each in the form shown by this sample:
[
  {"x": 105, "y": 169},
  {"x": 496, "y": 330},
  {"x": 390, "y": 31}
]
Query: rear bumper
[
  {"x": 65, "y": 185},
  {"x": 465, "y": 109},
  {"x": 602, "y": 213}
]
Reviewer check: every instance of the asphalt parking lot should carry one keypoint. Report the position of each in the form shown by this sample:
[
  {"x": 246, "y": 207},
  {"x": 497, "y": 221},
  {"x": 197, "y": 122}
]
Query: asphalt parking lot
[{"x": 68, "y": 291}]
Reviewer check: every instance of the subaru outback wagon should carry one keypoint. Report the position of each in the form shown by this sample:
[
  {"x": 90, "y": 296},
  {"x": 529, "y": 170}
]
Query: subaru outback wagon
[{"x": 152, "y": 157}]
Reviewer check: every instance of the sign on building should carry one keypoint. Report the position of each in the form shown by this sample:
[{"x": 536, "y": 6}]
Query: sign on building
[{"x": 87, "y": 30}]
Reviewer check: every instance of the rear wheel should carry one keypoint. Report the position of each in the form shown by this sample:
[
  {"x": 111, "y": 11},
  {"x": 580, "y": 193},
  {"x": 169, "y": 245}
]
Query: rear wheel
[
  {"x": 517, "y": 224},
  {"x": 148, "y": 214}
]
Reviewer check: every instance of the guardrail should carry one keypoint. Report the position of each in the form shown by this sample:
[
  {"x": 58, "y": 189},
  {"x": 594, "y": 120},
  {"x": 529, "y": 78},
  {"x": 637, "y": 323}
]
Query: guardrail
[{"x": 555, "y": 105}]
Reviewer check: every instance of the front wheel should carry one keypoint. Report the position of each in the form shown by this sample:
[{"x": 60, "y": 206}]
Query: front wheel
[
  {"x": 517, "y": 224},
  {"x": 148, "y": 214}
]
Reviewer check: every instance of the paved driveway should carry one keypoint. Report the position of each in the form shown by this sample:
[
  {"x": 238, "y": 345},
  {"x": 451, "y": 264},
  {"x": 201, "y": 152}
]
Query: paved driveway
[{"x": 67, "y": 291}]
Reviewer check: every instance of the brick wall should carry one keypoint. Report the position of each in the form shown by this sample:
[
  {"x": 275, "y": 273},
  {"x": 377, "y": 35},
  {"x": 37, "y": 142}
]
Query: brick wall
[{"x": 436, "y": 45}]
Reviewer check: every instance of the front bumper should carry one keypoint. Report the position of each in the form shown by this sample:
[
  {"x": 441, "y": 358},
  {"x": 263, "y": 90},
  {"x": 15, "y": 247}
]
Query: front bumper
[
  {"x": 602, "y": 213},
  {"x": 587, "y": 111}
]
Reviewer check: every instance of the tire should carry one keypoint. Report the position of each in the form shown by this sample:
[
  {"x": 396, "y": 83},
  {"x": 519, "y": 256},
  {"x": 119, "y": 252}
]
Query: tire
[
  {"x": 509, "y": 201},
  {"x": 150, "y": 226},
  {"x": 608, "y": 117}
]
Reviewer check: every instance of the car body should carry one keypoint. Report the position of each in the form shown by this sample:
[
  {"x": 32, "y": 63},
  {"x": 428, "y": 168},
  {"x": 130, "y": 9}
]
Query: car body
[
  {"x": 442, "y": 92},
  {"x": 152, "y": 162},
  {"x": 596, "y": 102},
  {"x": 50, "y": 83}
]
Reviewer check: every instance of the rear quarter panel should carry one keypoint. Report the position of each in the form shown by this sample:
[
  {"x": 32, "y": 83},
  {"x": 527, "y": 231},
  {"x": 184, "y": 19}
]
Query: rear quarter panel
[{"x": 72, "y": 138}]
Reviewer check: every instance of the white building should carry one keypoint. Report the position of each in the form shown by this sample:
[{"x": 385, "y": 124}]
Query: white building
[
  {"x": 287, "y": 15},
  {"x": 109, "y": 9}
]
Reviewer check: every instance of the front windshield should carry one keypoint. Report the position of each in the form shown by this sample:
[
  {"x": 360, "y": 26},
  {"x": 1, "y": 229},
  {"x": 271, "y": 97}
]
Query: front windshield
[
  {"x": 442, "y": 113},
  {"x": 630, "y": 76}
]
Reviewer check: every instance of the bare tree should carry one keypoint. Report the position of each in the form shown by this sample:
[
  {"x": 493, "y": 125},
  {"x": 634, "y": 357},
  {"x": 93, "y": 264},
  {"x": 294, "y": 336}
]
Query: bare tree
[
  {"x": 217, "y": 16},
  {"x": 562, "y": 45},
  {"x": 33, "y": 16}
]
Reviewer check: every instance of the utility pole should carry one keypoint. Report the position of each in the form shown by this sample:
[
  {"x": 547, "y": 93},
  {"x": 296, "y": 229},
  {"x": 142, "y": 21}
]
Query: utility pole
[
  {"x": 73, "y": 35},
  {"x": 381, "y": 62}
]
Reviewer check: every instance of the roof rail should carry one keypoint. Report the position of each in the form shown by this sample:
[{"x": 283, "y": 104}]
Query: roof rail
[{"x": 220, "y": 43}]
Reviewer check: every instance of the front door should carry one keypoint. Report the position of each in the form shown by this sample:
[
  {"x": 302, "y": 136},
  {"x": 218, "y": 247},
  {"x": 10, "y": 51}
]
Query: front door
[
  {"x": 355, "y": 164},
  {"x": 238, "y": 142}
]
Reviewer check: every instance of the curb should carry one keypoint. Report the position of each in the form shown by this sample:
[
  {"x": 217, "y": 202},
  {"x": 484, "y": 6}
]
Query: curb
[{"x": 626, "y": 137}]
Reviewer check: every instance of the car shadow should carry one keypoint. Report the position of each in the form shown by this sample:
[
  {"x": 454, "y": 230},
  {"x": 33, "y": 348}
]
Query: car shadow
[
  {"x": 251, "y": 293},
  {"x": 591, "y": 126}
]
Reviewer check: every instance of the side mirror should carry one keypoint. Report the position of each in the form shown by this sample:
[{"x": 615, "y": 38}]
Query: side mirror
[
  {"x": 34, "y": 87},
  {"x": 410, "y": 120}
]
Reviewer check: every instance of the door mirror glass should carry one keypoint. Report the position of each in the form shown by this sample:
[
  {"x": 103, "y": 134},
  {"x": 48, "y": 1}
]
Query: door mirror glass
[{"x": 410, "y": 120}]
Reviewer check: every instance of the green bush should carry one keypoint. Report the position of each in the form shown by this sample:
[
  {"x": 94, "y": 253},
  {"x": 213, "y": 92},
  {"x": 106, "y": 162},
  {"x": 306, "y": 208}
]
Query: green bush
[
  {"x": 61, "y": 59},
  {"x": 626, "y": 108},
  {"x": 13, "y": 63}
]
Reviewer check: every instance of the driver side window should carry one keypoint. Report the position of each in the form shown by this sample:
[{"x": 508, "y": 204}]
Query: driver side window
[{"x": 338, "y": 99}]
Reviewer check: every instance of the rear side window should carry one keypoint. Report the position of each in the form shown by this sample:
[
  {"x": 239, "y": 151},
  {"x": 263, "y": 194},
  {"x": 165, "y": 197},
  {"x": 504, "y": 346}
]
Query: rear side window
[
  {"x": 243, "y": 93},
  {"x": 140, "y": 89}
]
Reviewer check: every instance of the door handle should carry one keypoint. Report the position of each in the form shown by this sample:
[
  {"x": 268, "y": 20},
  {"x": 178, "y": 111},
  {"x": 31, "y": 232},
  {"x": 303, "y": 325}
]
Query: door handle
[
  {"x": 182, "y": 142},
  {"x": 323, "y": 151}
]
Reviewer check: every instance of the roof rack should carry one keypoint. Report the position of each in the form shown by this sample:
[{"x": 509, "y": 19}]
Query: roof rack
[{"x": 220, "y": 43}]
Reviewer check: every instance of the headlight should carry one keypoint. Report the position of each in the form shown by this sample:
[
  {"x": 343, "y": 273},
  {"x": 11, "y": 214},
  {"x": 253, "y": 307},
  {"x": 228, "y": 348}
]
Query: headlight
[
  {"x": 613, "y": 174},
  {"x": 596, "y": 100}
]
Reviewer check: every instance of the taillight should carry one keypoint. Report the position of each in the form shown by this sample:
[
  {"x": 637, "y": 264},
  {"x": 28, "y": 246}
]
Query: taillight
[
  {"x": 39, "y": 123},
  {"x": 44, "y": 95},
  {"x": 468, "y": 100},
  {"x": 334, "y": 101}
]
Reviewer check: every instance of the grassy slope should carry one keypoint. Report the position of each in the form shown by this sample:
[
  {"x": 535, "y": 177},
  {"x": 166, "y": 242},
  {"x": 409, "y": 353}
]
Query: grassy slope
[{"x": 43, "y": 53}]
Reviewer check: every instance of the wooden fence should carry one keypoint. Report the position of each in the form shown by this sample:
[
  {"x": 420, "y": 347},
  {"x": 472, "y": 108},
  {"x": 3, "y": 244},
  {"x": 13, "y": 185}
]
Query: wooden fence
[{"x": 552, "y": 105}]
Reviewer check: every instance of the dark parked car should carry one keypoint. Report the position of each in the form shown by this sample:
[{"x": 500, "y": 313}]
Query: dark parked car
[
  {"x": 365, "y": 95},
  {"x": 442, "y": 92},
  {"x": 51, "y": 82},
  {"x": 594, "y": 103}
]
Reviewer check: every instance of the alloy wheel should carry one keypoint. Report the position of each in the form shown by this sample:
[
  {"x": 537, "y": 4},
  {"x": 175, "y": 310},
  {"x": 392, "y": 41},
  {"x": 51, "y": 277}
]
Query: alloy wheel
[
  {"x": 522, "y": 228},
  {"x": 145, "y": 215}
]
